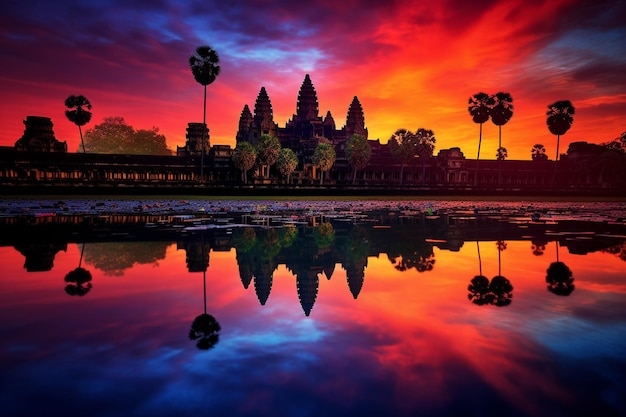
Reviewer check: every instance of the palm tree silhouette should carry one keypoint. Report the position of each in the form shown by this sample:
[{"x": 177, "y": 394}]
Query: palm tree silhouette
[
  {"x": 205, "y": 69},
  {"x": 500, "y": 288},
  {"x": 205, "y": 328},
  {"x": 559, "y": 277},
  {"x": 77, "y": 278},
  {"x": 479, "y": 285},
  {"x": 77, "y": 112},
  {"x": 403, "y": 147},
  {"x": 501, "y": 111},
  {"x": 479, "y": 110},
  {"x": 560, "y": 118}
]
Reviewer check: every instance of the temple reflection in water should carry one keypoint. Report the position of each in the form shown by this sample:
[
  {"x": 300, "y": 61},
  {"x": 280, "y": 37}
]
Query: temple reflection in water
[{"x": 309, "y": 247}]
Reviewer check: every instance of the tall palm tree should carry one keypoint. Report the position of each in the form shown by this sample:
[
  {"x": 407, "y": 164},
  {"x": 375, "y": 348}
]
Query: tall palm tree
[
  {"x": 205, "y": 69},
  {"x": 77, "y": 112},
  {"x": 479, "y": 110},
  {"x": 501, "y": 111},
  {"x": 560, "y": 118}
]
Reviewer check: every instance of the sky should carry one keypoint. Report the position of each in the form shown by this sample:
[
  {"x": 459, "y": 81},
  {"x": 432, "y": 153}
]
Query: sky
[{"x": 412, "y": 64}]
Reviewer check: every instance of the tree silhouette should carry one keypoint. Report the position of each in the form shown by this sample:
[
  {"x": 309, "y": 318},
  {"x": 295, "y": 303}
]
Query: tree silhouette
[
  {"x": 115, "y": 136},
  {"x": 502, "y": 154},
  {"x": 403, "y": 147},
  {"x": 425, "y": 145},
  {"x": 205, "y": 69},
  {"x": 478, "y": 290},
  {"x": 205, "y": 329},
  {"x": 479, "y": 285},
  {"x": 538, "y": 153},
  {"x": 501, "y": 111},
  {"x": 559, "y": 277},
  {"x": 324, "y": 158},
  {"x": 77, "y": 279},
  {"x": 358, "y": 153},
  {"x": 560, "y": 118},
  {"x": 287, "y": 162},
  {"x": 479, "y": 110},
  {"x": 538, "y": 246},
  {"x": 500, "y": 290},
  {"x": 244, "y": 157},
  {"x": 324, "y": 235},
  {"x": 77, "y": 112},
  {"x": 268, "y": 150}
]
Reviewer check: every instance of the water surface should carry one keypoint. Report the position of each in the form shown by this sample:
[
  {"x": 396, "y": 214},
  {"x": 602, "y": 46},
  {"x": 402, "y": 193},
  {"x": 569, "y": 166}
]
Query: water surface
[{"x": 395, "y": 309}]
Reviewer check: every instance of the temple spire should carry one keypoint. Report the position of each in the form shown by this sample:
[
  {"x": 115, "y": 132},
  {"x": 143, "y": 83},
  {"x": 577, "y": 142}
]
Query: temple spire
[
  {"x": 355, "y": 121},
  {"x": 307, "y": 107},
  {"x": 245, "y": 123}
]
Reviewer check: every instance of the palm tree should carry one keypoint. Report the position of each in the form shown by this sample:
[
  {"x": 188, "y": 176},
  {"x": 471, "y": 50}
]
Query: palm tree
[
  {"x": 539, "y": 152},
  {"x": 358, "y": 153},
  {"x": 501, "y": 111},
  {"x": 324, "y": 158},
  {"x": 268, "y": 149},
  {"x": 425, "y": 145},
  {"x": 77, "y": 112},
  {"x": 402, "y": 145},
  {"x": 287, "y": 162},
  {"x": 479, "y": 110},
  {"x": 205, "y": 69},
  {"x": 560, "y": 118},
  {"x": 244, "y": 157}
]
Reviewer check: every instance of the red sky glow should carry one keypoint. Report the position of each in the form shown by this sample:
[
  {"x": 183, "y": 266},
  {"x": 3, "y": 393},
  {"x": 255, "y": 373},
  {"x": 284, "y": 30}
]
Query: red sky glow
[{"x": 412, "y": 64}]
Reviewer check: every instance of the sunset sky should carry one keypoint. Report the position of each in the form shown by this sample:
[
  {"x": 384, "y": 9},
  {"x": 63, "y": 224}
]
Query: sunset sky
[{"x": 412, "y": 64}]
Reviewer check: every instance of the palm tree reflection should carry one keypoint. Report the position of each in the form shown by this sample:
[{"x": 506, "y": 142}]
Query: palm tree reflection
[
  {"x": 205, "y": 328},
  {"x": 498, "y": 292},
  {"x": 77, "y": 279},
  {"x": 479, "y": 285},
  {"x": 559, "y": 277}
]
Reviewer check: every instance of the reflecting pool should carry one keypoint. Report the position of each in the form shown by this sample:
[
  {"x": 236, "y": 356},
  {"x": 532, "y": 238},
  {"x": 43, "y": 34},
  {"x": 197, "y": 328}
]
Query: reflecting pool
[{"x": 320, "y": 310}]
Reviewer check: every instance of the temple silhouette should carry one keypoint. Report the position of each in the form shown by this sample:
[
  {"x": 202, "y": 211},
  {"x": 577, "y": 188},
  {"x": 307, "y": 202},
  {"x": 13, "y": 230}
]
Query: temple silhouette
[{"x": 39, "y": 161}]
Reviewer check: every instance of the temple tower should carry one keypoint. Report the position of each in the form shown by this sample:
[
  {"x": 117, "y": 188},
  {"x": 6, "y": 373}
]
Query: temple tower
[
  {"x": 39, "y": 137},
  {"x": 307, "y": 107},
  {"x": 193, "y": 145},
  {"x": 264, "y": 115},
  {"x": 355, "y": 121},
  {"x": 245, "y": 125}
]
